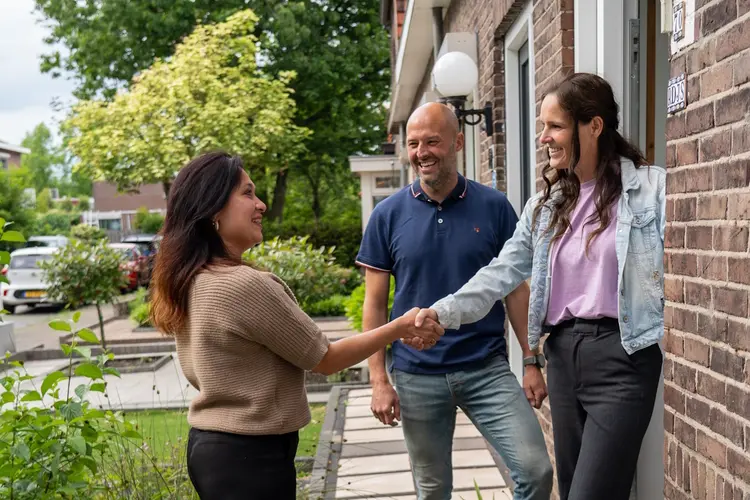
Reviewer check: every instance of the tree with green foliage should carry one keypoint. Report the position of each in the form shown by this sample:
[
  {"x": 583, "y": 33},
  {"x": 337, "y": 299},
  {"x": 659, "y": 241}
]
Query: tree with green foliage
[
  {"x": 43, "y": 201},
  {"x": 84, "y": 204},
  {"x": 53, "y": 223},
  {"x": 339, "y": 51},
  {"x": 83, "y": 273},
  {"x": 147, "y": 222},
  {"x": 208, "y": 95},
  {"x": 88, "y": 234},
  {"x": 7, "y": 235},
  {"x": 12, "y": 204},
  {"x": 43, "y": 158}
]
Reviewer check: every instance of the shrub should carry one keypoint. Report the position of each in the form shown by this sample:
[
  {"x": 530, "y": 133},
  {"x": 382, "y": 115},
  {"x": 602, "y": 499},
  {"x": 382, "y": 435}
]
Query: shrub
[
  {"x": 344, "y": 236},
  {"x": 147, "y": 222},
  {"x": 43, "y": 201},
  {"x": 57, "y": 444},
  {"x": 90, "y": 234},
  {"x": 80, "y": 273},
  {"x": 356, "y": 301},
  {"x": 83, "y": 204},
  {"x": 311, "y": 273},
  {"x": 141, "y": 315},
  {"x": 53, "y": 223},
  {"x": 332, "y": 306}
]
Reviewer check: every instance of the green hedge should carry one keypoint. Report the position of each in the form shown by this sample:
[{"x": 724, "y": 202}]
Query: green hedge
[
  {"x": 345, "y": 238},
  {"x": 356, "y": 302}
]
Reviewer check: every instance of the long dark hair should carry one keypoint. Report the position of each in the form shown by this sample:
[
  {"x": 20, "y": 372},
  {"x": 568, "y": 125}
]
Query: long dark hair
[
  {"x": 584, "y": 96},
  {"x": 190, "y": 242}
]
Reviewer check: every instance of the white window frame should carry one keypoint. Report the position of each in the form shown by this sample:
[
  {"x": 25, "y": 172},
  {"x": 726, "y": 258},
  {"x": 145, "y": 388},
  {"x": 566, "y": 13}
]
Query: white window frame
[{"x": 521, "y": 32}]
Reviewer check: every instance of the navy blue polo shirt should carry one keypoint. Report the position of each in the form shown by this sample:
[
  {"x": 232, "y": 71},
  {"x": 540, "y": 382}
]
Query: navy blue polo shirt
[{"x": 432, "y": 249}]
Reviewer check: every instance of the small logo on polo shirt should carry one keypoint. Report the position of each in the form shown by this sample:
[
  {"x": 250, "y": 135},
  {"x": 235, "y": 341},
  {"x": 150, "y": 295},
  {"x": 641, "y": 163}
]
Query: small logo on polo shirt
[{"x": 476, "y": 229}]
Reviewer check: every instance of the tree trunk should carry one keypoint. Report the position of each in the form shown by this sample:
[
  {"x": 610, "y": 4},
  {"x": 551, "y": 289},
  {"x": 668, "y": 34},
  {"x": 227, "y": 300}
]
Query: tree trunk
[
  {"x": 316, "y": 206},
  {"x": 101, "y": 325},
  {"x": 167, "y": 185},
  {"x": 276, "y": 212}
]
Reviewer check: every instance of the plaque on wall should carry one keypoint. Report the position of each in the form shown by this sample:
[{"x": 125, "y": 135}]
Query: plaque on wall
[
  {"x": 676, "y": 94},
  {"x": 678, "y": 20}
]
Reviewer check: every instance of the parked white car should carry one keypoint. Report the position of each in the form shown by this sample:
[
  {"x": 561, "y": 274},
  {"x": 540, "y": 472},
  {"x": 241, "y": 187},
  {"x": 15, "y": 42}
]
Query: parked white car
[
  {"x": 26, "y": 285},
  {"x": 46, "y": 241}
]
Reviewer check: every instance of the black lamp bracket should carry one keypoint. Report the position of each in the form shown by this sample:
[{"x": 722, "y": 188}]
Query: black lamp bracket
[{"x": 473, "y": 116}]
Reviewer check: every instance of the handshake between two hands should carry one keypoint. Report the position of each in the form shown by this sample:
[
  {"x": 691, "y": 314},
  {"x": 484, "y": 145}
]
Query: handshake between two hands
[{"x": 420, "y": 328}]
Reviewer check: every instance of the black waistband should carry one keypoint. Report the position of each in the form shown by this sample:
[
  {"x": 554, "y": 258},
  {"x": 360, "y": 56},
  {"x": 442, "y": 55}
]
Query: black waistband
[{"x": 580, "y": 325}]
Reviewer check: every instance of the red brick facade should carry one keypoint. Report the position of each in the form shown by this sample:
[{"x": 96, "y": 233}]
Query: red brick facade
[
  {"x": 707, "y": 262},
  {"x": 707, "y": 340}
]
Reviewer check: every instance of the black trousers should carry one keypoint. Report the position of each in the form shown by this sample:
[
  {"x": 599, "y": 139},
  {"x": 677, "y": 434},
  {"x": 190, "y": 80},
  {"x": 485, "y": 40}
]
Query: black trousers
[
  {"x": 601, "y": 400},
  {"x": 231, "y": 466}
]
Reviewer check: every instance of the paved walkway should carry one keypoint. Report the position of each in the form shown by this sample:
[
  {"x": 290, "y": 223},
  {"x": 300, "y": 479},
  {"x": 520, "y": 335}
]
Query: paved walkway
[{"x": 373, "y": 463}]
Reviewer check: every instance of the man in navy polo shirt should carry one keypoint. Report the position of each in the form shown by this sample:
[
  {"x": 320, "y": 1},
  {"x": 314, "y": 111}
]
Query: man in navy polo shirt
[{"x": 433, "y": 236}]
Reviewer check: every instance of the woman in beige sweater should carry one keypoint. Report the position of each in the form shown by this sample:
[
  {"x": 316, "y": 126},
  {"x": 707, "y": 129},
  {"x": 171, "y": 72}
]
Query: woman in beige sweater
[{"x": 241, "y": 338}]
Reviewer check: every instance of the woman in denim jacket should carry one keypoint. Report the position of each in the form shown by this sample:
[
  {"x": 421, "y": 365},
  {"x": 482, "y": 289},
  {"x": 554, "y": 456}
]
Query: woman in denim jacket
[{"x": 593, "y": 245}]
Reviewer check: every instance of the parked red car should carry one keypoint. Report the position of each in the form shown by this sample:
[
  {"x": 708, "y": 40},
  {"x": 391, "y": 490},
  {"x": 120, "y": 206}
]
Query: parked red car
[{"x": 135, "y": 265}]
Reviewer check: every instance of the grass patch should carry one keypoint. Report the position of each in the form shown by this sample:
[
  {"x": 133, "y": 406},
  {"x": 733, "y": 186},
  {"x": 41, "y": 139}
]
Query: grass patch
[{"x": 166, "y": 432}]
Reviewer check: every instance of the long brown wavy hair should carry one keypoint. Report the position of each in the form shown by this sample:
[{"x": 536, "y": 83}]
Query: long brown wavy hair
[
  {"x": 190, "y": 242},
  {"x": 584, "y": 96}
]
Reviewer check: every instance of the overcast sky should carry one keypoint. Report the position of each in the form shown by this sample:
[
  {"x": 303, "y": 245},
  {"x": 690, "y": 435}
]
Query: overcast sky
[{"x": 25, "y": 93}]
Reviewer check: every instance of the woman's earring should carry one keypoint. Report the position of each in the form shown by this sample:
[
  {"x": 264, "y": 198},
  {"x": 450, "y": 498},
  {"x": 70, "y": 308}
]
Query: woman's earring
[{"x": 216, "y": 225}]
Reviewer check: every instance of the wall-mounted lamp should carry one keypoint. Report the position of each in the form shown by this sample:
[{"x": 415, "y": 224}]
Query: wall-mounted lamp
[{"x": 455, "y": 75}]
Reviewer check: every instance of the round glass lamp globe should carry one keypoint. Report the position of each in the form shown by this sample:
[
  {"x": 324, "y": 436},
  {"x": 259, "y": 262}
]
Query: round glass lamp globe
[{"x": 455, "y": 74}]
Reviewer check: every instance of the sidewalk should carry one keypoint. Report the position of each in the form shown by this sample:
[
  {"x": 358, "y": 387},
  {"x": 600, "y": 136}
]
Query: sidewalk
[{"x": 369, "y": 460}]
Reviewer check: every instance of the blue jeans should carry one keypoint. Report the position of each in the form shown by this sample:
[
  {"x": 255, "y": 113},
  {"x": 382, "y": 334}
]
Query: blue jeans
[{"x": 494, "y": 401}]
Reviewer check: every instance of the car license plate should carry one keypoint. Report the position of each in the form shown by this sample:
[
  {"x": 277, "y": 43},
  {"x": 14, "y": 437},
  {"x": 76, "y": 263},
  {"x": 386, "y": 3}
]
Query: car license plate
[{"x": 34, "y": 295}]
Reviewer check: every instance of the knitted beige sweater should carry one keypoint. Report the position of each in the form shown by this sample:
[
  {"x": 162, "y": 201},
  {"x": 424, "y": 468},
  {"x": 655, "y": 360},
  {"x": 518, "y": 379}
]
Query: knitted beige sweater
[{"x": 245, "y": 347}]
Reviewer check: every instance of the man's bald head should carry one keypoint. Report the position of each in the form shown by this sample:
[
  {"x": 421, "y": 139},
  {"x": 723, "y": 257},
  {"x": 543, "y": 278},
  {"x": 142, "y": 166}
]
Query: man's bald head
[
  {"x": 433, "y": 142},
  {"x": 435, "y": 113}
]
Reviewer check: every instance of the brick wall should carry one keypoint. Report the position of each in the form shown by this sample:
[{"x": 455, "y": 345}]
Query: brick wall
[
  {"x": 107, "y": 198},
  {"x": 707, "y": 339}
]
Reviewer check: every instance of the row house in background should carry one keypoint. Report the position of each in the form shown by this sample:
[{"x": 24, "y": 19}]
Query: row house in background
[
  {"x": 681, "y": 73},
  {"x": 10, "y": 155},
  {"x": 115, "y": 212}
]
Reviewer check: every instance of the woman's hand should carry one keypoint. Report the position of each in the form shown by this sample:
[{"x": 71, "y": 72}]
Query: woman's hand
[{"x": 420, "y": 337}]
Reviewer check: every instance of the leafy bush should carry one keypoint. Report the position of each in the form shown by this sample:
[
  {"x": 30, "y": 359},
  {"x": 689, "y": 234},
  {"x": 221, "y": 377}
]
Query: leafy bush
[
  {"x": 141, "y": 315},
  {"x": 356, "y": 301},
  {"x": 7, "y": 236},
  {"x": 90, "y": 234},
  {"x": 147, "y": 222},
  {"x": 57, "y": 444},
  {"x": 311, "y": 273},
  {"x": 53, "y": 223},
  {"x": 332, "y": 306},
  {"x": 84, "y": 204},
  {"x": 43, "y": 201},
  {"x": 80, "y": 273},
  {"x": 345, "y": 236}
]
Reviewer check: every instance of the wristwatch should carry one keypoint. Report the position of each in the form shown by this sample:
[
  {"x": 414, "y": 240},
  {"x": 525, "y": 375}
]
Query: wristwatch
[{"x": 536, "y": 360}]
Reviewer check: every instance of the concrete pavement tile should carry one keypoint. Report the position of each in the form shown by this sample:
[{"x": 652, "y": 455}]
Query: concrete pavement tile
[
  {"x": 400, "y": 462},
  {"x": 374, "y": 485},
  {"x": 392, "y": 447},
  {"x": 358, "y": 411},
  {"x": 370, "y": 422},
  {"x": 491, "y": 494},
  {"x": 485, "y": 477},
  {"x": 359, "y": 401},
  {"x": 387, "y": 433},
  {"x": 374, "y": 465},
  {"x": 356, "y": 393}
]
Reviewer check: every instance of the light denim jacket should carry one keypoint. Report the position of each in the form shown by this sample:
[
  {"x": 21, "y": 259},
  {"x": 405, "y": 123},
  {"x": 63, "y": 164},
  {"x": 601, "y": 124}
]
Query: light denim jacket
[{"x": 640, "y": 265}]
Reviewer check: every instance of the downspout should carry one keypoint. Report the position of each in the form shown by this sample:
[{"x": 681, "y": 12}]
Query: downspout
[
  {"x": 403, "y": 156},
  {"x": 437, "y": 32}
]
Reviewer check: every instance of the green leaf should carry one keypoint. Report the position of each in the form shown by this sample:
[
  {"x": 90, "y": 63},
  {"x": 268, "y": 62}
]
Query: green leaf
[
  {"x": 87, "y": 336},
  {"x": 32, "y": 396},
  {"x": 88, "y": 370},
  {"x": 112, "y": 371},
  {"x": 76, "y": 316},
  {"x": 13, "y": 236},
  {"x": 132, "y": 434},
  {"x": 85, "y": 352},
  {"x": 2, "y": 223},
  {"x": 60, "y": 325},
  {"x": 4, "y": 257},
  {"x": 81, "y": 390},
  {"x": 90, "y": 463},
  {"x": 22, "y": 450},
  {"x": 4, "y": 279},
  {"x": 51, "y": 381},
  {"x": 71, "y": 410},
  {"x": 98, "y": 387},
  {"x": 66, "y": 349},
  {"x": 78, "y": 443},
  {"x": 8, "y": 397}
]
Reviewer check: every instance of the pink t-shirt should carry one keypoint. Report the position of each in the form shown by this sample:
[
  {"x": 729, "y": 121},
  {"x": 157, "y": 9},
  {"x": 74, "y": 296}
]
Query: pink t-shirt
[{"x": 584, "y": 286}]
